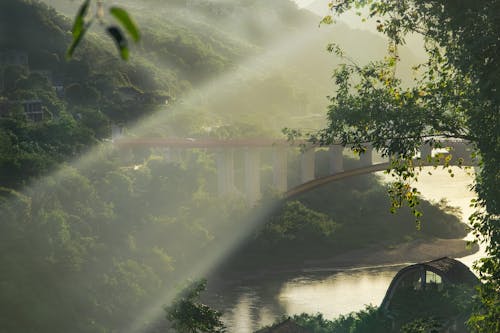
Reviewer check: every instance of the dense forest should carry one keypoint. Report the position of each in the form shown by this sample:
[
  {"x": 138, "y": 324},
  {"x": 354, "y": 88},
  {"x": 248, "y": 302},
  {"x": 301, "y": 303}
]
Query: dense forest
[{"x": 92, "y": 236}]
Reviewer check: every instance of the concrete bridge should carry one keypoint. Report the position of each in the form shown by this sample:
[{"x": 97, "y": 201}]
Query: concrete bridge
[{"x": 224, "y": 151}]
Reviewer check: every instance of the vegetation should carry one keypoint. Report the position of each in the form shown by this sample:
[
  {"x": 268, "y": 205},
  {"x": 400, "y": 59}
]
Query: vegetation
[
  {"x": 456, "y": 95},
  {"x": 338, "y": 217},
  {"x": 188, "y": 315},
  {"x": 414, "y": 311},
  {"x": 87, "y": 244}
]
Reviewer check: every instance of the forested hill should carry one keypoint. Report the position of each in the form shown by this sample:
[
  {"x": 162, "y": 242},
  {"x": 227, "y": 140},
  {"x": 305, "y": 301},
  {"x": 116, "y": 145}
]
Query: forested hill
[
  {"x": 246, "y": 68},
  {"x": 97, "y": 240},
  {"x": 270, "y": 55}
]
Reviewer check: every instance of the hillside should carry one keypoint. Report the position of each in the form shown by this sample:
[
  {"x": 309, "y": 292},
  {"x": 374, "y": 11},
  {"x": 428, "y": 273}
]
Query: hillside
[
  {"x": 97, "y": 239},
  {"x": 269, "y": 59}
]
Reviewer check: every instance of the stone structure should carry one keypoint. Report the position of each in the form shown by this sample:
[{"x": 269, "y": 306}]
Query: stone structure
[
  {"x": 436, "y": 273},
  {"x": 252, "y": 148}
]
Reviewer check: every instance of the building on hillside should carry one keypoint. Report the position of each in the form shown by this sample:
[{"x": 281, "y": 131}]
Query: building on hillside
[
  {"x": 45, "y": 73},
  {"x": 33, "y": 110},
  {"x": 4, "y": 107},
  {"x": 13, "y": 58}
]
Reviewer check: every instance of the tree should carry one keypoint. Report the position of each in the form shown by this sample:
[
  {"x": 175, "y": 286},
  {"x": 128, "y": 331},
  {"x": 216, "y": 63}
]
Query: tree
[
  {"x": 188, "y": 315},
  {"x": 456, "y": 95}
]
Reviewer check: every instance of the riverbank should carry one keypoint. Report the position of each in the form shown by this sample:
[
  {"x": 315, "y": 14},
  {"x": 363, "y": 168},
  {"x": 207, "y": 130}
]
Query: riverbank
[
  {"x": 410, "y": 252},
  {"x": 370, "y": 256}
]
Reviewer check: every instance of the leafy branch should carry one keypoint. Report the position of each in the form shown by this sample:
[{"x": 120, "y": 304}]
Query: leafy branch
[{"x": 82, "y": 24}]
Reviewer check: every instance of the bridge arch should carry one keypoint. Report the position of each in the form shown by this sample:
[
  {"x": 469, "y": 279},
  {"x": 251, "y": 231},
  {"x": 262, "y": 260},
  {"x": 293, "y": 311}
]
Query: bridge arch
[{"x": 224, "y": 155}]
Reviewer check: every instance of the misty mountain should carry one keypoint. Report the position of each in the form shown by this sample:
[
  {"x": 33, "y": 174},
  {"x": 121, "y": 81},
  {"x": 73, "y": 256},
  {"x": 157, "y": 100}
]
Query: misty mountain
[{"x": 271, "y": 53}]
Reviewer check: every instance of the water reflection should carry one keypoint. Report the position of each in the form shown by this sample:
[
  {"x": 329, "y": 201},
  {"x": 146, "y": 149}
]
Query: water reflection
[
  {"x": 254, "y": 302},
  {"x": 336, "y": 294},
  {"x": 250, "y": 304}
]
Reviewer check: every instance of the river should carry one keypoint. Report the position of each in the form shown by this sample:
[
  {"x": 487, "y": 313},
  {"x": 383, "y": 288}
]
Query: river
[{"x": 250, "y": 303}]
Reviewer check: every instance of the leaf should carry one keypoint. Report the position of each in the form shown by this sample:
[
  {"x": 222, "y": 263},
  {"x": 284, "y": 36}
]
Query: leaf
[
  {"x": 327, "y": 20},
  {"x": 79, "y": 24},
  {"x": 74, "y": 43},
  {"x": 120, "y": 41},
  {"x": 126, "y": 21},
  {"x": 79, "y": 28}
]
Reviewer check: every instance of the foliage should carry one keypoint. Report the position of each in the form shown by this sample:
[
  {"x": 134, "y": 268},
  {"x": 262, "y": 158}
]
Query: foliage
[
  {"x": 369, "y": 320},
  {"x": 412, "y": 311},
  {"x": 81, "y": 25},
  {"x": 188, "y": 315},
  {"x": 88, "y": 246},
  {"x": 295, "y": 223},
  {"x": 429, "y": 325},
  {"x": 456, "y": 95},
  {"x": 434, "y": 306}
]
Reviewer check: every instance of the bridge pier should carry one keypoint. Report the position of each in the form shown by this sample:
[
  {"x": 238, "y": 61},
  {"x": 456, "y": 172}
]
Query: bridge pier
[
  {"x": 280, "y": 169},
  {"x": 461, "y": 150},
  {"x": 116, "y": 132},
  {"x": 366, "y": 158},
  {"x": 172, "y": 155},
  {"x": 307, "y": 160},
  {"x": 425, "y": 151},
  {"x": 225, "y": 171},
  {"x": 336, "y": 159},
  {"x": 252, "y": 175}
]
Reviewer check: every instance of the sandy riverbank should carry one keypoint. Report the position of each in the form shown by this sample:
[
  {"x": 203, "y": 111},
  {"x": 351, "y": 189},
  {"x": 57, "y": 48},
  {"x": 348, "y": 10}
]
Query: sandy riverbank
[
  {"x": 370, "y": 256},
  {"x": 411, "y": 252}
]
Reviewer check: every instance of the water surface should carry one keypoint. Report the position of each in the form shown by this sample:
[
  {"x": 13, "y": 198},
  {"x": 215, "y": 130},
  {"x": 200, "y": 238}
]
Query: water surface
[{"x": 248, "y": 304}]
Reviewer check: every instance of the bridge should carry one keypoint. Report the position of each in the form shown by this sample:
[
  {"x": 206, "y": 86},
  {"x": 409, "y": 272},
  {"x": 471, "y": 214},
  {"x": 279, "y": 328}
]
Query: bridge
[{"x": 252, "y": 149}]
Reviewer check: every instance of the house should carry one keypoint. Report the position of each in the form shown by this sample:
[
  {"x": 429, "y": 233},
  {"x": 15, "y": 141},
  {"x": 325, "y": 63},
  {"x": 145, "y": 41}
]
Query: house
[
  {"x": 13, "y": 58},
  {"x": 33, "y": 110}
]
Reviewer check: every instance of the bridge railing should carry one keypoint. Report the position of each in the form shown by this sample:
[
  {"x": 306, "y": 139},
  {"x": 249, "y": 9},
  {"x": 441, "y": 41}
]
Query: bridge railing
[{"x": 224, "y": 156}]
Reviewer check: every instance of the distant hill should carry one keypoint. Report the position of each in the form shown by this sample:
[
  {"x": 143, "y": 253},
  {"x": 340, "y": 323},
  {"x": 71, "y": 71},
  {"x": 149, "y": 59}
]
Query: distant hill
[{"x": 271, "y": 54}]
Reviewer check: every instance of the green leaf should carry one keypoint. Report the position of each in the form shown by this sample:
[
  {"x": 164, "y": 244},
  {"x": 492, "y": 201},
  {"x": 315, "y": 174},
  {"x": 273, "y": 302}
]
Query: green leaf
[
  {"x": 328, "y": 19},
  {"x": 74, "y": 43},
  {"x": 120, "y": 41},
  {"x": 79, "y": 24},
  {"x": 79, "y": 28},
  {"x": 126, "y": 21}
]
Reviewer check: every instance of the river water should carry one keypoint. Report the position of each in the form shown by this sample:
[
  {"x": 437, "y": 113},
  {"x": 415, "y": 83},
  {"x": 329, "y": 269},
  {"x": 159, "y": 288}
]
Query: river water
[{"x": 250, "y": 303}]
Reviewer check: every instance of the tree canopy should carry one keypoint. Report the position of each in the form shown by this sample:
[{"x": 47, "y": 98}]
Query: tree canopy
[{"x": 455, "y": 95}]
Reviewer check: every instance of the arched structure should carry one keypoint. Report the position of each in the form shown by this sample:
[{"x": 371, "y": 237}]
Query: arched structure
[
  {"x": 439, "y": 272},
  {"x": 224, "y": 152}
]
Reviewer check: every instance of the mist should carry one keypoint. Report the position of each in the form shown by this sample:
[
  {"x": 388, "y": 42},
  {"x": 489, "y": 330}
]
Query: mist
[{"x": 98, "y": 236}]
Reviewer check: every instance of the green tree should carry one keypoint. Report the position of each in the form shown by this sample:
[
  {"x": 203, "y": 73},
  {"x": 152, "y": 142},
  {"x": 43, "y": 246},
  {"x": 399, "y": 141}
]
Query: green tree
[
  {"x": 456, "y": 95},
  {"x": 188, "y": 315}
]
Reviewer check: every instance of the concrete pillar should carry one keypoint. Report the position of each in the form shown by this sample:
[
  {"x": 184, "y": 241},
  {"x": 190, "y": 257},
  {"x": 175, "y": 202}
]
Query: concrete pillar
[
  {"x": 461, "y": 150},
  {"x": 116, "y": 132},
  {"x": 336, "y": 159},
  {"x": 366, "y": 158},
  {"x": 423, "y": 278},
  {"x": 280, "y": 169},
  {"x": 172, "y": 155},
  {"x": 307, "y": 159},
  {"x": 252, "y": 175},
  {"x": 425, "y": 151},
  {"x": 225, "y": 171}
]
